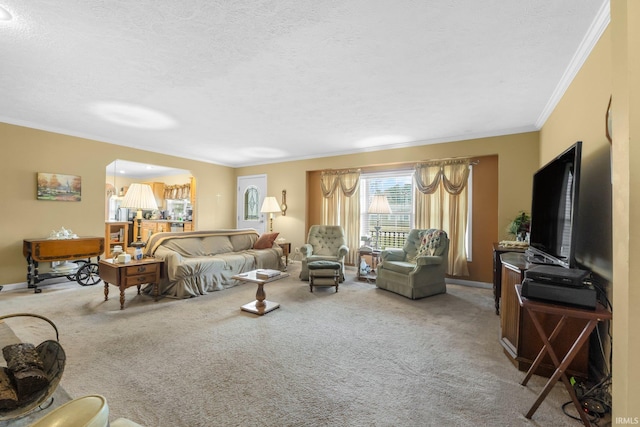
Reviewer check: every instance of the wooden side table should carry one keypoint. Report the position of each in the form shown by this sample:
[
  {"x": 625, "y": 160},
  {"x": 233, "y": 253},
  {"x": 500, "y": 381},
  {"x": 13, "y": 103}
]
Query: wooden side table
[
  {"x": 286, "y": 250},
  {"x": 539, "y": 309},
  {"x": 261, "y": 305},
  {"x": 134, "y": 273},
  {"x": 40, "y": 250},
  {"x": 374, "y": 256}
]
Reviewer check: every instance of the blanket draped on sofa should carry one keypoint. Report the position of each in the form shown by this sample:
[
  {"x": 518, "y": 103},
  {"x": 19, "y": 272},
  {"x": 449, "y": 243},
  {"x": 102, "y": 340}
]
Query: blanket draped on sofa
[{"x": 198, "y": 262}]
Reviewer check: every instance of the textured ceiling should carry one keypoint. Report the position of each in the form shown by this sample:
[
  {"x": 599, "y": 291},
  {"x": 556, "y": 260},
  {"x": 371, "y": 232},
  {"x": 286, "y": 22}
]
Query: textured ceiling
[{"x": 246, "y": 82}]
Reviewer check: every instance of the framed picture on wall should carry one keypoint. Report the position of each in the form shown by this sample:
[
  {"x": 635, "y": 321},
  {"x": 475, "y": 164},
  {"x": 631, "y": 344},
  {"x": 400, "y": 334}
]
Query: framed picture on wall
[{"x": 57, "y": 186}]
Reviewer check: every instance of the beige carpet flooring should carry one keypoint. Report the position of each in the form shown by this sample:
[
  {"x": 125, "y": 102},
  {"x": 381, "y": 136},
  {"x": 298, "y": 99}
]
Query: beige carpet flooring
[{"x": 361, "y": 357}]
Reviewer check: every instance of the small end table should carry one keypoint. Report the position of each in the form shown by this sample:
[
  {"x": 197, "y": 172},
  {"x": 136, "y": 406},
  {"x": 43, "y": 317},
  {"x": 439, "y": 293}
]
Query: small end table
[
  {"x": 134, "y": 273},
  {"x": 261, "y": 305},
  {"x": 286, "y": 250},
  {"x": 374, "y": 254}
]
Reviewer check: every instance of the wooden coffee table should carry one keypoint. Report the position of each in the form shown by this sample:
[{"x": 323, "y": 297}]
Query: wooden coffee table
[{"x": 261, "y": 305}]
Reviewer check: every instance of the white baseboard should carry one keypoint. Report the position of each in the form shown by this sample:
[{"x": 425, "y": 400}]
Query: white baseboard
[
  {"x": 472, "y": 283},
  {"x": 23, "y": 285},
  {"x": 14, "y": 286}
]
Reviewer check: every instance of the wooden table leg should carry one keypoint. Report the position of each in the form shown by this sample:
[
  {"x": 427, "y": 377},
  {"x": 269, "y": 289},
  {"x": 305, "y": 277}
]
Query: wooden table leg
[
  {"x": 260, "y": 297},
  {"x": 260, "y": 306},
  {"x": 122, "y": 288},
  {"x": 106, "y": 291},
  {"x": 544, "y": 349},
  {"x": 561, "y": 366}
]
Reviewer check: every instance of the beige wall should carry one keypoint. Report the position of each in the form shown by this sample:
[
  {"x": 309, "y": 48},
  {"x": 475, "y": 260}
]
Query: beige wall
[
  {"x": 612, "y": 68},
  {"x": 27, "y": 151},
  {"x": 216, "y": 185},
  {"x": 625, "y": 52},
  {"x": 517, "y": 161}
]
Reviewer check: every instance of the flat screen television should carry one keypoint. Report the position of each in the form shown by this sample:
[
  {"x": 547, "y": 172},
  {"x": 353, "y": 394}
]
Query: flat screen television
[{"x": 554, "y": 204}]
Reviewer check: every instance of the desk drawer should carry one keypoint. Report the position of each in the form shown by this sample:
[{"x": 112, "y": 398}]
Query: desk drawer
[
  {"x": 141, "y": 269},
  {"x": 140, "y": 279}
]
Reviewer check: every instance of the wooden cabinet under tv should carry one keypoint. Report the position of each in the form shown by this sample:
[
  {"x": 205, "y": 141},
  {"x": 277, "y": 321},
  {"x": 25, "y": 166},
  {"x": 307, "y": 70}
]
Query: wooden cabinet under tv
[
  {"x": 518, "y": 335},
  {"x": 497, "y": 271}
]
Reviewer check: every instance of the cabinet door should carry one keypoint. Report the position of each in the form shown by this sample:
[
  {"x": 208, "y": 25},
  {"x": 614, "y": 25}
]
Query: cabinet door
[
  {"x": 158, "y": 192},
  {"x": 510, "y": 310},
  {"x": 147, "y": 229}
]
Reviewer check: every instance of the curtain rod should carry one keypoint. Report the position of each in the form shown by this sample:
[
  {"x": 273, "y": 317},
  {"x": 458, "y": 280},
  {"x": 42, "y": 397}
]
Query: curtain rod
[
  {"x": 340, "y": 171},
  {"x": 448, "y": 160}
]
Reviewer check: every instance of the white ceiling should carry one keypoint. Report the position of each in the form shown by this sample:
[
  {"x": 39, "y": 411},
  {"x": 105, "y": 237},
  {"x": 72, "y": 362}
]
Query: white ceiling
[{"x": 247, "y": 82}]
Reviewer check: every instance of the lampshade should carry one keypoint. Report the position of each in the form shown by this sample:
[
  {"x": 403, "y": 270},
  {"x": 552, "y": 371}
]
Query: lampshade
[
  {"x": 139, "y": 196},
  {"x": 270, "y": 205},
  {"x": 379, "y": 205}
]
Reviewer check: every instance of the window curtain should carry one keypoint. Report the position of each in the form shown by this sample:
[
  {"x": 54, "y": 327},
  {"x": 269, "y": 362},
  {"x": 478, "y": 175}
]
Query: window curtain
[
  {"x": 177, "y": 191},
  {"x": 441, "y": 202},
  {"x": 340, "y": 205}
]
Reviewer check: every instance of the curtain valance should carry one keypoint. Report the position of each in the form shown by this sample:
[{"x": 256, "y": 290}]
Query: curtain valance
[
  {"x": 453, "y": 175},
  {"x": 182, "y": 191},
  {"x": 348, "y": 180}
]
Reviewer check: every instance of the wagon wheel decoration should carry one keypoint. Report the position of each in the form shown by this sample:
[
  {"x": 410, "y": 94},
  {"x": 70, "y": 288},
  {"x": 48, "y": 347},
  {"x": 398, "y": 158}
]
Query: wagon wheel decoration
[
  {"x": 87, "y": 275},
  {"x": 79, "y": 263}
]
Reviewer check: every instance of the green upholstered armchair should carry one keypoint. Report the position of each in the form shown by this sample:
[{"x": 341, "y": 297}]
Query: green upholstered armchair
[
  {"x": 324, "y": 243},
  {"x": 418, "y": 269}
]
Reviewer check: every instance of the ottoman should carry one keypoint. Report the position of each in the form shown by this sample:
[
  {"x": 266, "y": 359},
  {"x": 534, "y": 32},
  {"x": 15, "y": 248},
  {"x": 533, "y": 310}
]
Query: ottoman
[{"x": 324, "y": 273}]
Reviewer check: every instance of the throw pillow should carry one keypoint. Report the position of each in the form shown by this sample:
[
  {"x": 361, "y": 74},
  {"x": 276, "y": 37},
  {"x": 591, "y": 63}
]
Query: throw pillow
[
  {"x": 428, "y": 244},
  {"x": 421, "y": 249},
  {"x": 265, "y": 241}
]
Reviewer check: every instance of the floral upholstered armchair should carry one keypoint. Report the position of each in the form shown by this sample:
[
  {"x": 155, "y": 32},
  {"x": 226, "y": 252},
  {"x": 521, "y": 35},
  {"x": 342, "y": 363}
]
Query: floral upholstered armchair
[
  {"x": 418, "y": 269},
  {"x": 324, "y": 243}
]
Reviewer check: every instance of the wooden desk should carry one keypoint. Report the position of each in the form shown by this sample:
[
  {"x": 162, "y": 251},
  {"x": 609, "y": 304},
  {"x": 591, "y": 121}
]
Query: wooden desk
[
  {"x": 537, "y": 309},
  {"x": 134, "y": 273},
  {"x": 36, "y": 250}
]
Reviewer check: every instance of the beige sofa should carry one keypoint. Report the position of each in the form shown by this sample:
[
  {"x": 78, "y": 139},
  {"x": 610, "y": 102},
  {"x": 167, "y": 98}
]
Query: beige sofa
[{"x": 198, "y": 262}]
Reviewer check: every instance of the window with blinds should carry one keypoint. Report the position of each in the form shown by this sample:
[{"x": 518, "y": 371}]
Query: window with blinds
[{"x": 397, "y": 187}]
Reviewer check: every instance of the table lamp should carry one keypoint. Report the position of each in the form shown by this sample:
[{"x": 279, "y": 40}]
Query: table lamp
[
  {"x": 139, "y": 196},
  {"x": 379, "y": 205},
  {"x": 270, "y": 205}
]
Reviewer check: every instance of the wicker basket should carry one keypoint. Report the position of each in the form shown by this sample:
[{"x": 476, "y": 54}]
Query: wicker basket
[{"x": 53, "y": 359}]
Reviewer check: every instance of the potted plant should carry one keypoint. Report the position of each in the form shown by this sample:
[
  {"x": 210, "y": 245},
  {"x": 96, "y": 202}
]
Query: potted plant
[{"x": 519, "y": 227}]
